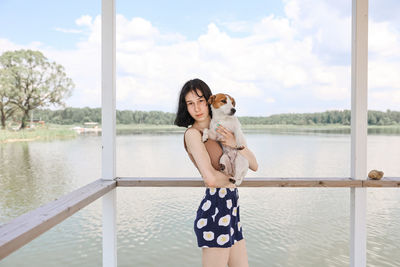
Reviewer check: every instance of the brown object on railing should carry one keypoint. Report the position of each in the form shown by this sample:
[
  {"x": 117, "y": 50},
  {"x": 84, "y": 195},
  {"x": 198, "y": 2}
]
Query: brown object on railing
[{"x": 375, "y": 175}]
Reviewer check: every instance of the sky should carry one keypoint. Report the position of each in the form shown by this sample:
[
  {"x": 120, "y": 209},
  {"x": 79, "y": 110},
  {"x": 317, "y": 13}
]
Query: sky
[{"x": 276, "y": 56}]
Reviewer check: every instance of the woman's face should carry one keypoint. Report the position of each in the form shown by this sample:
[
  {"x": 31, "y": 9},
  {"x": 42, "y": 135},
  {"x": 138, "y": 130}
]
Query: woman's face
[{"x": 197, "y": 105}]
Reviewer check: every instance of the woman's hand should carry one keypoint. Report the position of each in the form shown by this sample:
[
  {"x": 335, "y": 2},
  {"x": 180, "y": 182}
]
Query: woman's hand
[
  {"x": 230, "y": 140},
  {"x": 228, "y": 137}
]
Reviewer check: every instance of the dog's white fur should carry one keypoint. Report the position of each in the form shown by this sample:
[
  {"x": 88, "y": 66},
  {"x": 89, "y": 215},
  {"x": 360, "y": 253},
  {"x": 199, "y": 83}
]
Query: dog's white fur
[{"x": 235, "y": 164}]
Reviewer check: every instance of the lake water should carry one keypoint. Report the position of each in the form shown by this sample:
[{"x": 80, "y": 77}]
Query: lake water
[{"x": 282, "y": 226}]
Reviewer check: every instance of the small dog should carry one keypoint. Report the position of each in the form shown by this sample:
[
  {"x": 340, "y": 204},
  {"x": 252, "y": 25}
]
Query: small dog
[{"x": 232, "y": 163}]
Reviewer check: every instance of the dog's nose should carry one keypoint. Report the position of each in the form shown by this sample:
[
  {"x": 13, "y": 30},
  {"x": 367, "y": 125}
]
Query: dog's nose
[{"x": 233, "y": 111}]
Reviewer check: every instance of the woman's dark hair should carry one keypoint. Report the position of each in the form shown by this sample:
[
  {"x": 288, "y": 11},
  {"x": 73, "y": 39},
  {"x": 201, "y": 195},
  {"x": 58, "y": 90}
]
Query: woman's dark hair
[{"x": 183, "y": 118}]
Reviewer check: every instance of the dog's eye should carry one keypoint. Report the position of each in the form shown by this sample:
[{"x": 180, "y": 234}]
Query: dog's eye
[{"x": 223, "y": 101}]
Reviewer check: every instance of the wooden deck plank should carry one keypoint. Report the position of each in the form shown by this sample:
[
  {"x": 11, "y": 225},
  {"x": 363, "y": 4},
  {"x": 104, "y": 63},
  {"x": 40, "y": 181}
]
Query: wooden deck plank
[{"x": 28, "y": 226}]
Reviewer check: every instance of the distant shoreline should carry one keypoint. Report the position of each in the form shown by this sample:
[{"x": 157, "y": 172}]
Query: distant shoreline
[{"x": 56, "y": 132}]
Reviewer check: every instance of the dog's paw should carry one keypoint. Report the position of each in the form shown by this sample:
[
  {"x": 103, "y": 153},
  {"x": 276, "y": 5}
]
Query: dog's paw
[
  {"x": 204, "y": 138},
  {"x": 219, "y": 137},
  {"x": 238, "y": 181},
  {"x": 239, "y": 146}
]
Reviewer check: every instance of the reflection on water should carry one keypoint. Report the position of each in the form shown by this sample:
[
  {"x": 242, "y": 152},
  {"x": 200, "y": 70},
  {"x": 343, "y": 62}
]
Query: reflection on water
[
  {"x": 36, "y": 173},
  {"x": 22, "y": 178},
  {"x": 389, "y": 130},
  {"x": 282, "y": 226}
]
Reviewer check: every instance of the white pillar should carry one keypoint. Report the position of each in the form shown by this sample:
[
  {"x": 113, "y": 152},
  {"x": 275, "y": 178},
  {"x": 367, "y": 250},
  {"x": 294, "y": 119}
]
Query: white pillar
[
  {"x": 108, "y": 130},
  {"x": 359, "y": 123},
  {"x": 109, "y": 229}
]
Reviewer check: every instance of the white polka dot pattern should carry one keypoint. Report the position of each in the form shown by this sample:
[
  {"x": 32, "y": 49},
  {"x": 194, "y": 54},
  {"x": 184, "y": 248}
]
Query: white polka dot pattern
[{"x": 218, "y": 220}]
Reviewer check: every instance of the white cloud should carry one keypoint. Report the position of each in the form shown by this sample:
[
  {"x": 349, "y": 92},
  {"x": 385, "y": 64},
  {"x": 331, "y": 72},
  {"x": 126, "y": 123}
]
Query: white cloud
[
  {"x": 7, "y": 45},
  {"x": 297, "y": 56},
  {"x": 85, "y": 20},
  {"x": 383, "y": 74},
  {"x": 384, "y": 99},
  {"x": 292, "y": 9},
  {"x": 68, "y": 30},
  {"x": 274, "y": 28},
  {"x": 383, "y": 40},
  {"x": 324, "y": 21},
  {"x": 236, "y": 26},
  {"x": 270, "y": 100}
]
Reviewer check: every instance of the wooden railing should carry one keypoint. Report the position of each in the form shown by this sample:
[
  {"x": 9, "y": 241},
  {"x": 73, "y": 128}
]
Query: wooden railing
[
  {"x": 28, "y": 226},
  {"x": 262, "y": 182}
]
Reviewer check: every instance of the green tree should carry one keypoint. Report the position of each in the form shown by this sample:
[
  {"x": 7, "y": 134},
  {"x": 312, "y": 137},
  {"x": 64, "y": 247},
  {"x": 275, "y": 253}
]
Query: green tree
[{"x": 35, "y": 81}]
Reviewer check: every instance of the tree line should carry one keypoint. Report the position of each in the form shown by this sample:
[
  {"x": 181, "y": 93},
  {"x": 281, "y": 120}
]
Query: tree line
[
  {"x": 342, "y": 117},
  {"x": 81, "y": 115}
]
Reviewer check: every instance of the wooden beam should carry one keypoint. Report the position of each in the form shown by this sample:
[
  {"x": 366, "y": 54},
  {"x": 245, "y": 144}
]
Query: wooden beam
[
  {"x": 247, "y": 182},
  {"x": 259, "y": 182},
  {"x": 385, "y": 182},
  {"x": 28, "y": 226}
]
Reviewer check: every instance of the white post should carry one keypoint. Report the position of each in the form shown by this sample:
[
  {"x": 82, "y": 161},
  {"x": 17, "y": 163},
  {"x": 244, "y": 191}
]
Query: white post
[
  {"x": 359, "y": 123},
  {"x": 108, "y": 120}
]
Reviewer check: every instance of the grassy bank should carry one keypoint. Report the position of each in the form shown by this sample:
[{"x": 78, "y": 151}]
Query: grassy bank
[
  {"x": 48, "y": 132},
  {"x": 145, "y": 128}
]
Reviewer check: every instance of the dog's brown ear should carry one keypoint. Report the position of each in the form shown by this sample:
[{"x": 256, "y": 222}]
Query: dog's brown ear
[
  {"x": 211, "y": 99},
  {"x": 232, "y": 100}
]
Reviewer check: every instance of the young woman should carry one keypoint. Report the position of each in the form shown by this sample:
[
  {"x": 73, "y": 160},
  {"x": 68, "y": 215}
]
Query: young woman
[{"x": 217, "y": 224}]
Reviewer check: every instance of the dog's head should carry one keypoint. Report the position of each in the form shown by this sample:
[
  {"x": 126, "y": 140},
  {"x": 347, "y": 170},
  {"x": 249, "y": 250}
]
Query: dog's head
[{"x": 222, "y": 104}]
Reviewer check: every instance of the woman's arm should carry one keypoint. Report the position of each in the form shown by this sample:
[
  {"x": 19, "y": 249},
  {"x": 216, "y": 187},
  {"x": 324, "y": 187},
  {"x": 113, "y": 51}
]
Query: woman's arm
[
  {"x": 230, "y": 140},
  {"x": 212, "y": 177},
  {"x": 246, "y": 152}
]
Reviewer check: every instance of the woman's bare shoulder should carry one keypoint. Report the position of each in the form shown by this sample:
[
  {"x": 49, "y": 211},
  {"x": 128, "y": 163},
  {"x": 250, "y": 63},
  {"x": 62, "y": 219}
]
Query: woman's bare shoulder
[{"x": 192, "y": 134}]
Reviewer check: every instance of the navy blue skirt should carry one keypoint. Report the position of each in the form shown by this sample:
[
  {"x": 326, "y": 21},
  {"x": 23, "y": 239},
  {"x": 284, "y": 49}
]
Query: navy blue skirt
[{"x": 217, "y": 223}]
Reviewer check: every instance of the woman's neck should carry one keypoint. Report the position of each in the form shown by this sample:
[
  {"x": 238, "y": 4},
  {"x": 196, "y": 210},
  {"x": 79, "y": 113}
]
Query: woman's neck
[{"x": 202, "y": 124}]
